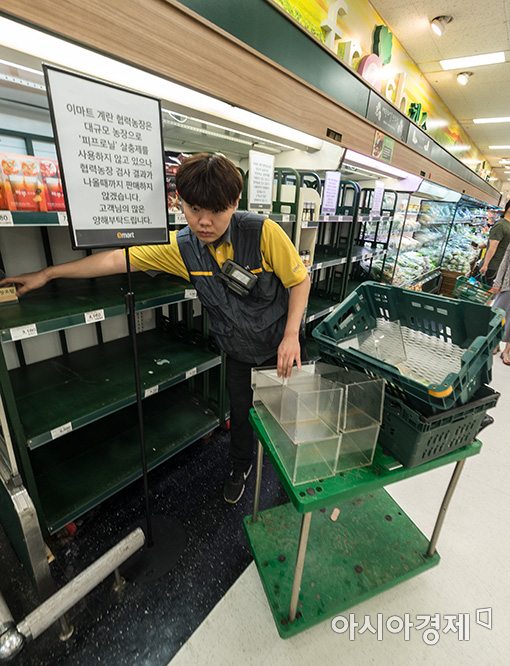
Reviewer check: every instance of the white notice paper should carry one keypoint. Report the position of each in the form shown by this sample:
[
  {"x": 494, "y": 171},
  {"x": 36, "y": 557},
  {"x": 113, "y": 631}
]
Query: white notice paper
[
  {"x": 330, "y": 193},
  {"x": 111, "y": 153},
  {"x": 260, "y": 181}
]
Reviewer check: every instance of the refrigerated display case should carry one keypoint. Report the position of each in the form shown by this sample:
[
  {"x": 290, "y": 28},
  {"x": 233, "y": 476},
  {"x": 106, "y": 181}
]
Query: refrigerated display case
[
  {"x": 467, "y": 237},
  {"x": 423, "y": 238}
]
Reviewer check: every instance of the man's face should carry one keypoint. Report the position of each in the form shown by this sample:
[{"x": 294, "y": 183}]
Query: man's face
[{"x": 206, "y": 225}]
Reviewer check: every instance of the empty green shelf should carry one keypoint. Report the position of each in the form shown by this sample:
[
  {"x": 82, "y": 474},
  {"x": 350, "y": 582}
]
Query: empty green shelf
[
  {"x": 69, "y": 392},
  {"x": 82, "y": 469}
]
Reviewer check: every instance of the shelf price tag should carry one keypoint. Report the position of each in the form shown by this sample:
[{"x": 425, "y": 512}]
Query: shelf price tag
[
  {"x": 62, "y": 219},
  {"x": 94, "y": 316},
  {"x": 190, "y": 293},
  {"x": 6, "y": 218},
  {"x": 151, "y": 391},
  {"x": 318, "y": 266},
  {"x": 61, "y": 430},
  {"x": 22, "y": 332},
  {"x": 180, "y": 218},
  {"x": 191, "y": 373},
  {"x": 285, "y": 217}
]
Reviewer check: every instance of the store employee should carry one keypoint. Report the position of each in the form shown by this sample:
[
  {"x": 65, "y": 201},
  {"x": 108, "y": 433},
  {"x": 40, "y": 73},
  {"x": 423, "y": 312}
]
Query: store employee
[{"x": 248, "y": 276}]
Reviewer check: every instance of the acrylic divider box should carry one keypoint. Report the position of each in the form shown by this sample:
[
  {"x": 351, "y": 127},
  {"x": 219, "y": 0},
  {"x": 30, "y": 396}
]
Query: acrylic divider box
[
  {"x": 362, "y": 414},
  {"x": 323, "y": 419},
  {"x": 301, "y": 415}
]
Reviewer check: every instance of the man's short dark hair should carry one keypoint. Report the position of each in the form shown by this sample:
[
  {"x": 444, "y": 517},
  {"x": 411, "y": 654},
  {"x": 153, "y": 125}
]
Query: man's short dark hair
[{"x": 209, "y": 181}]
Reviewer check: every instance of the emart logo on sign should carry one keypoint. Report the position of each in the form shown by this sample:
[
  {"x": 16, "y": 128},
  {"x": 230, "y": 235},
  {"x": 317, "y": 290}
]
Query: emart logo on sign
[{"x": 125, "y": 234}]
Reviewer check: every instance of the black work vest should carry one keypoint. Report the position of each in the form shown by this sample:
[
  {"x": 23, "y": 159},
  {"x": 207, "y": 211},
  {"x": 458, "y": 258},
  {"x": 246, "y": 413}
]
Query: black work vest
[{"x": 248, "y": 328}]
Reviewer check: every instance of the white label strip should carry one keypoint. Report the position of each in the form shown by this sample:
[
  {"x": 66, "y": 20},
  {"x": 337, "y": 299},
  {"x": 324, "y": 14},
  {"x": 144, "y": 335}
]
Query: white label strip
[
  {"x": 62, "y": 219},
  {"x": 190, "y": 293},
  {"x": 180, "y": 218},
  {"x": 285, "y": 218},
  {"x": 191, "y": 373},
  {"x": 151, "y": 391},
  {"x": 61, "y": 430},
  {"x": 325, "y": 218},
  {"x": 94, "y": 316},
  {"x": 6, "y": 218},
  {"x": 22, "y": 332}
]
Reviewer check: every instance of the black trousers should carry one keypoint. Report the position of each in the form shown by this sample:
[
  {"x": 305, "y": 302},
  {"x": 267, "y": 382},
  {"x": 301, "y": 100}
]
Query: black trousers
[{"x": 242, "y": 437}]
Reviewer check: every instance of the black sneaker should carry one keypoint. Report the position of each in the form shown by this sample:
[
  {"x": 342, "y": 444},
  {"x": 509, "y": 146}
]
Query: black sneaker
[{"x": 234, "y": 485}]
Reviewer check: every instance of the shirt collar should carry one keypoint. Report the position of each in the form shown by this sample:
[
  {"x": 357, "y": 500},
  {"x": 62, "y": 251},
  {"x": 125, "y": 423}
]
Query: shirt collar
[{"x": 223, "y": 239}]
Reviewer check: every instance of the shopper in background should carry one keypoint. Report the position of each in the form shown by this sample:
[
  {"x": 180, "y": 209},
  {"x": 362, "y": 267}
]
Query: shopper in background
[
  {"x": 501, "y": 287},
  {"x": 255, "y": 307},
  {"x": 499, "y": 238}
]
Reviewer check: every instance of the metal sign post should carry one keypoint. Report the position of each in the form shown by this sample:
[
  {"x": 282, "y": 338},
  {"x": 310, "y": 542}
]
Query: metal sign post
[{"x": 110, "y": 147}]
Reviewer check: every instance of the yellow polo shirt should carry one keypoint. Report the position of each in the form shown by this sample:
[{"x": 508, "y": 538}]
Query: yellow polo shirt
[{"x": 278, "y": 255}]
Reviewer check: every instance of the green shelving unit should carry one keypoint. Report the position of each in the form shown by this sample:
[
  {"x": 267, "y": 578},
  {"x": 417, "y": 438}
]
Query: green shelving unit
[
  {"x": 68, "y": 303},
  {"x": 89, "y": 384},
  {"x": 82, "y": 469},
  {"x": 72, "y": 417}
]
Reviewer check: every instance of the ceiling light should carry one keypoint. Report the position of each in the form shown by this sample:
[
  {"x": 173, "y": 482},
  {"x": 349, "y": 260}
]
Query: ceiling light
[
  {"x": 506, "y": 171},
  {"x": 486, "y": 121},
  {"x": 439, "y": 24},
  {"x": 463, "y": 78},
  {"x": 459, "y": 147},
  {"x": 473, "y": 61},
  {"x": 499, "y": 147},
  {"x": 18, "y": 66},
  {"x": 58, "y": 51}
]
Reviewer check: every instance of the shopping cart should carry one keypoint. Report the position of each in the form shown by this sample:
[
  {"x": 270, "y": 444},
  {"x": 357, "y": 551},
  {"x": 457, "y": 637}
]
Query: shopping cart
[{"x": 471, "y": 289}]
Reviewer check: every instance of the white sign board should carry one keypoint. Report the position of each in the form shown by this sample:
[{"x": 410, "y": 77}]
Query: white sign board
[
  {"x": 378, "y": 198},
  {"x": 110, "y": 149},
  {"x": 260, "y": 181},
  {"x": 330, "y": 193}
]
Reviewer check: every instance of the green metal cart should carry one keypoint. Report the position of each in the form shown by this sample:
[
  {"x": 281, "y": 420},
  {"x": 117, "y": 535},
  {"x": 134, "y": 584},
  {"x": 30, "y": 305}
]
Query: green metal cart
[{"x": 360, "y": 542}]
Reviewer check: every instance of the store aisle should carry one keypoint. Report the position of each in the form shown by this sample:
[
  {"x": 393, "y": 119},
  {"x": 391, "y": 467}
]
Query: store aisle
[{"x": 473, "y": 574}]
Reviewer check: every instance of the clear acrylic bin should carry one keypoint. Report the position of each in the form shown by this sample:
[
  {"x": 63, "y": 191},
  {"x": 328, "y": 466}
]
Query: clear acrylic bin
[
  {"x": 301, "y": 415},
  {"x": 361, "y": 414},
  {"x": 322, "y": 420}
]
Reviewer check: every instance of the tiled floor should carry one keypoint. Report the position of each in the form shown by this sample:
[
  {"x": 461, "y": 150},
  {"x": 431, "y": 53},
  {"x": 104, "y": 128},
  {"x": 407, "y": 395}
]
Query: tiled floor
[
  {"x": 208, "y": 593},
  {"x": 474, "y": 573}
]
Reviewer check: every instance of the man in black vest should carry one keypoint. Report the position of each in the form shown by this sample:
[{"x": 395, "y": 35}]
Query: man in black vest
[{"x": 248, "y": 276}]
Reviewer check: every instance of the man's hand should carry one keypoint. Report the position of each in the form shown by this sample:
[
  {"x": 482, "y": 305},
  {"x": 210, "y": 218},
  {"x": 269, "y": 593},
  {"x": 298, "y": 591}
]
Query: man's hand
[
  {"x": 27, "y": 282},
  {"x": 495, "y": 290},
  {"x": 288, "y": 352},
  {"x": 483, "y": 270}
]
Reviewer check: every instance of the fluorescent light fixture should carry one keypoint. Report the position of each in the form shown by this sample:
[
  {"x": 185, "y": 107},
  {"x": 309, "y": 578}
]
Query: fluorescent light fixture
[
  {"x": 463, "y": 78},
  {"x": 180, "y": 121},
  {"x": 436, "y": 123},
  {"x": 502, "y": 147},
  {"x": 506, "y": 171},
  {"x": 439, "y": 23},
  {"x": 473, "y": 61},
  {"x": 18, "y": 66},
  {"x": 52, "y": 49},
  {"x": 407, "y": 181},
  {"x": 488, "y": 121},
  {"x": 352, "y": 157},
  {"x": 459, "y": 147}
]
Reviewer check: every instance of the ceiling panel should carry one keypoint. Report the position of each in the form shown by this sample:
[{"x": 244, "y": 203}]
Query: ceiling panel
[{"x": 477, "y": 27}]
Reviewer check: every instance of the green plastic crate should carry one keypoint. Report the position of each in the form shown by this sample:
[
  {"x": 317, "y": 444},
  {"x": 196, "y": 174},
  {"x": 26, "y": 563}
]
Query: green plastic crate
[
  {"x": 413, "y": 438},
  {"x": 474, "y": 291},
  {"x": 474, "y": 327}
]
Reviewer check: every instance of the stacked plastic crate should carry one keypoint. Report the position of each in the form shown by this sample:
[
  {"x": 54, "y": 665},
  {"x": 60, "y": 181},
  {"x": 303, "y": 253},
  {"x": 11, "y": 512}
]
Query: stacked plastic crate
[{"x": 435, "y": 355}]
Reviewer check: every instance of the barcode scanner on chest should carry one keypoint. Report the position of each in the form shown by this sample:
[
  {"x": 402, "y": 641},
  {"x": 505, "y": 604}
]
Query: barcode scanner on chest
[{"x": 237, "y": 278}]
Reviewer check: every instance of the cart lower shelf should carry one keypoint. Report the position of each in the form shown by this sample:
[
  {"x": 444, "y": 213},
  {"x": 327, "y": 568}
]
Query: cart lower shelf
[{"x": 371, "y": 547}]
